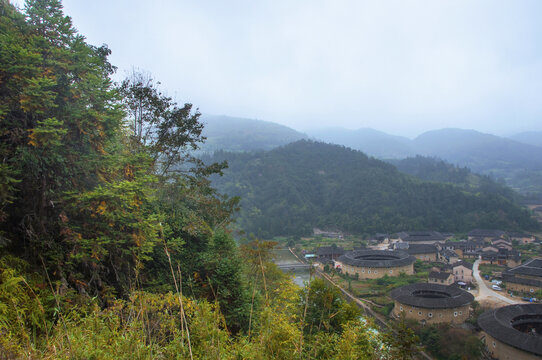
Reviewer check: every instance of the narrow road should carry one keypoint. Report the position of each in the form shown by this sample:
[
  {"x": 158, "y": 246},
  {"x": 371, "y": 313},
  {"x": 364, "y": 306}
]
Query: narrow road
[{"x": 484, "y": 292}]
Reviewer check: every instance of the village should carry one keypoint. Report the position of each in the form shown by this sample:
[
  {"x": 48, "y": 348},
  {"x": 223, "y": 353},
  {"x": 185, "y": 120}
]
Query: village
[{"x": 488, "y": 284}]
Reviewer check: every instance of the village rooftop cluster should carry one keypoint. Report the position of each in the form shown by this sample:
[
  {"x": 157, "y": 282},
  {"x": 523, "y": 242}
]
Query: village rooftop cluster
[{"x": 486, "y": 264}]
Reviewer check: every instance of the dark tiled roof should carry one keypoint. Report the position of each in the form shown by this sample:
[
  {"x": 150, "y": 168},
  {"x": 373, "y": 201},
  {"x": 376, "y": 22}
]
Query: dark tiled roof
[
  {"x": 498, "y": 324},
  {"x": 464, "y": 244},
  {"x": 414, "y": 236},
  {"x": 485, "y": 233},
  {"x": 330, "y": 250},
  {"x": 532, "y": 267},
  {"x": 466, "y": 264},
  {"x": 502, "y": 254},
  {"x": 439, "y": 275},
  {"x": 437, "y": 296},
  {"x": 448, "y": 253},
  {"x": 519, "y": 235},
  {"x": 401, "y": 245},
  {"x": 414, "y": 249},
  {"x": 446, "y": 267},
  {"x": 377, "y": 258},
  {"x": 511, "y": 278}
]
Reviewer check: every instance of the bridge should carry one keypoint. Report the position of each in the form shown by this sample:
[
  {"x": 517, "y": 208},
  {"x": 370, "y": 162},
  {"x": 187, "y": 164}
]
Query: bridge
[{"x": 293, "y": 266}]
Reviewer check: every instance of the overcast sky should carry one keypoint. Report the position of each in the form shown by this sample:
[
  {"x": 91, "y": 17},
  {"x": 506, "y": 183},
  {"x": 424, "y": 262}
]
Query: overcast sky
[{"x": 401, "y": 66}]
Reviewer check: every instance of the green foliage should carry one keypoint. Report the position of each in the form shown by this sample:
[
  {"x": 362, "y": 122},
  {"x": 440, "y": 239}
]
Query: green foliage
[
  {"x": 402, "y": 340},
  {"x": 22, "y": 314},
  {"x": 102, "y": 218},
  {"x": 435, "y": 170},
  {"x": 226, "y": 280},
  {"x": 291, "y": 190},
  {"x": 324, "y": 309},
  {"x": 449, "y": 343}
]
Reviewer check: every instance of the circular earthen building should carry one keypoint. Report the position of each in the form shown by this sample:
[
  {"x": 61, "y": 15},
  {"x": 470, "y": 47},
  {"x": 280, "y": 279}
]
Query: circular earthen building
[
  {"x": 432, "y": 303},
  {"x": 373, "y": 264},
  {"x": 513, "y": 332}
]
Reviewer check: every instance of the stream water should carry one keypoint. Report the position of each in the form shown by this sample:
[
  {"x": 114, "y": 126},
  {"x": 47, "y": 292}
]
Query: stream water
[{"x": 283, "y": 257}]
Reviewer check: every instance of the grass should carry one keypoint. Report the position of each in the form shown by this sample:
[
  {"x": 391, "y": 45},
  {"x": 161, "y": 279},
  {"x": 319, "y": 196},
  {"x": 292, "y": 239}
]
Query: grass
[
  {"x": 489, "y": 269},
  {"x": 313, "y": 243}
]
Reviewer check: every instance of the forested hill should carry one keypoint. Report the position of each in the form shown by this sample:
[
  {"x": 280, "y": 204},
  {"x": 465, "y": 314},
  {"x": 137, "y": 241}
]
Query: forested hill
[
  {"x": 436, "y": 170},
  {"x": 291, "y": 189},
  {"x": 239, "y": 134}
]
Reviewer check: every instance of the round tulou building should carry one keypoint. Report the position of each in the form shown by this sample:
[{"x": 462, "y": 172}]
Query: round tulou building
[
  {"x": 373, "y": 264},
  {"x": 432, "y": 303},
  {"x": 513, "y": 332}
]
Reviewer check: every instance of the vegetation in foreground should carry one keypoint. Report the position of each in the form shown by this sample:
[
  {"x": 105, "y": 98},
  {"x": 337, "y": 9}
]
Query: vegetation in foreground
[{"x": 112, "y": 243}]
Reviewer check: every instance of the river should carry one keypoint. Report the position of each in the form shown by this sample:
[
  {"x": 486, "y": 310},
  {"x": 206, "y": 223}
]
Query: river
[{"x": 283, "y": 257}]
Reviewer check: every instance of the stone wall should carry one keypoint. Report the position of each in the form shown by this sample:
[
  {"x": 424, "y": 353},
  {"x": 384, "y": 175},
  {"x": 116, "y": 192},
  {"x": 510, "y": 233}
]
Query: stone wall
[
  {"x": 522, "y": 288},
  {"x": 426, "y": 257},
  {"x": 502, "y": 351},
  {"x": 375, "y": 273},
  {"x": 456, "y": 315}
]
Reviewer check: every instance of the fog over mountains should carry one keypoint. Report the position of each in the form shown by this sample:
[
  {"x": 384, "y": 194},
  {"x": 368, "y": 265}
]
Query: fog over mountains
[
  {"x": 518, "y": 163},
  {"x": 240, "y": 134},
  {"x": 516, "y": 160}
]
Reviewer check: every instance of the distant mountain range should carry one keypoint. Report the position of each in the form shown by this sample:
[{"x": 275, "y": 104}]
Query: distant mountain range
[
  {"x": 372, "y": 142},
  {"x": 517, "y": 163},
  {"x": 239, "y": 134},
  {"x": 516, "y": 160},
  {"x": 306, "y": 184},
  {"x": 529, "y": 137}
]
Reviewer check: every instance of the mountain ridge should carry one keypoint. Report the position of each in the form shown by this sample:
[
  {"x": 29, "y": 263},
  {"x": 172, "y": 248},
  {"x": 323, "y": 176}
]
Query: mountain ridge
[{"x": 305, "y": 184}]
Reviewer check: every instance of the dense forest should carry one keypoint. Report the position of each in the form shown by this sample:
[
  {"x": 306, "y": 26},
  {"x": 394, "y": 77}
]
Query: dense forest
[
  {"x": 517, "y": 161},
  {"x": 308, "y": 184},
  {"x": 436, "y": 170},
  {"x": 113, "y": 245}
]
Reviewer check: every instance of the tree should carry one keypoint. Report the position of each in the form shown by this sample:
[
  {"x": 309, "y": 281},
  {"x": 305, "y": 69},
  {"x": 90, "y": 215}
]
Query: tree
[
  {"x": 227, "y": 284},
  {"x": 167, "y": 132},
  {"x": 325, "y": 309},
  {"x": 402, "y": 340},
  {"x": 58, "y": 119}
]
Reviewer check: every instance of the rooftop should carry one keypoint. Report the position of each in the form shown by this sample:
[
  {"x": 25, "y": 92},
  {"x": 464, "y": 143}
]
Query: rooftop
[
  {"x": 514, "y": 325},
  {"x": 330, "y": 250},
  {"x": 466, "y": 264},
  {"x": 532, "y": 267},
  {"x": 485, "y": 233},
  {"x": 448, "y": 253},
  {"x": 421, "y": 249},
  {"x": 439, "y": 275},
  {"x": 432, "y": 296},
  {"x": 377, "y": 258},
  {"x": 413, "y": 236}
]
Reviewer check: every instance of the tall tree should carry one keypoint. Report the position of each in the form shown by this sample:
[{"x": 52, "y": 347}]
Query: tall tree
[{"x": 158, "y": 125}]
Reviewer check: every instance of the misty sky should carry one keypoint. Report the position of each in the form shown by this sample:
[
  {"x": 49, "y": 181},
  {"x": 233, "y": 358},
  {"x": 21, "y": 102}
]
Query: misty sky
[{"x": 401, "y": 66}]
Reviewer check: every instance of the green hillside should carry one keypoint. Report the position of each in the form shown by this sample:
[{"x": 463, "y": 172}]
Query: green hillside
[
  {"x": 308, "y": 184},
  {"x": 434, "y": 169},
  {"x": 239, "y": 134},
  {"x": 516, "y": 160}
]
